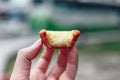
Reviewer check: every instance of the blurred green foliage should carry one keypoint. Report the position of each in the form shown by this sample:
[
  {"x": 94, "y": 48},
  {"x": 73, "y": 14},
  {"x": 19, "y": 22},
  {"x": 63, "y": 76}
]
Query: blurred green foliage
[{"x": 107, "y": 47}]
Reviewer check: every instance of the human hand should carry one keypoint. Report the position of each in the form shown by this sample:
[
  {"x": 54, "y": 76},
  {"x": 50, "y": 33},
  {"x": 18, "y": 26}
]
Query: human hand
[
  {"x": 64, "y": 69},
  {"x": 5, "y": 76}
]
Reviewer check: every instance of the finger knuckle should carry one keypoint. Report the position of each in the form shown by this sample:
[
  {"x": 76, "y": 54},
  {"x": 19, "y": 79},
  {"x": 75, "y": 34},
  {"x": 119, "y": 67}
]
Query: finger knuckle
[{"x": 21, "y": 51}]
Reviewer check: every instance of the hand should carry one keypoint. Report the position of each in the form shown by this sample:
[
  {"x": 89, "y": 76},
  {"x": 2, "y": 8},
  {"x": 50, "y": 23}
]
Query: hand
[
  {"x": 5, "y": 77},
  {"x": 64, "y": 69}
]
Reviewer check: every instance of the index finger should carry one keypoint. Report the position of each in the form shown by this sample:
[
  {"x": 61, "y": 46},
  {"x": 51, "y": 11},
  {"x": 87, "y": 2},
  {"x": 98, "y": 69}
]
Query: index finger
[{"x": 23, "y": 62}]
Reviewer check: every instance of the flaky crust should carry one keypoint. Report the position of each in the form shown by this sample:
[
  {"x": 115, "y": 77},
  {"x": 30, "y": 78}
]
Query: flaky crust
[{"x": 44, "y": 34}]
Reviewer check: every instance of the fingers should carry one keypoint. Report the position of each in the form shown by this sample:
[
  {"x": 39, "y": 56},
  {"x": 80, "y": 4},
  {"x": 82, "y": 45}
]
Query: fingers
[
  {"x": 44, "y": 60},
  {"x": 60, "y": 66},
  {"x": 66, "y": 66},
  {"x": 38, "y": 72},
  {"x": 72, "y": 65},
  {"x": 5, "y": 77},
  {"x": 22, "y": 66}
]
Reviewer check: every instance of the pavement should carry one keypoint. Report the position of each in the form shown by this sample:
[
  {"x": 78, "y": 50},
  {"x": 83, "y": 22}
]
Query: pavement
[{"x": 105, "y": 66}]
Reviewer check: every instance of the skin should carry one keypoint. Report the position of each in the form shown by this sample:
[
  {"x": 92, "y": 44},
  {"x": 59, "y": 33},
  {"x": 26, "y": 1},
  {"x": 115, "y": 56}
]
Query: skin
[
  {"x": 5, "y": 77},
  {"x": 64, "y": 69}
]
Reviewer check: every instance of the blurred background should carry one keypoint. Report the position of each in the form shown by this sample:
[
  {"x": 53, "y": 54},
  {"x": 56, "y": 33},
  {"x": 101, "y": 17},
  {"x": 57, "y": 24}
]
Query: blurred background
[{"x": 98, "y": 21}]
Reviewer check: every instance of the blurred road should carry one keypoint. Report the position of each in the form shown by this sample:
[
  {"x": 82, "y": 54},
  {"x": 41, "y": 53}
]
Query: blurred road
[{"x": 105, "y": 66}]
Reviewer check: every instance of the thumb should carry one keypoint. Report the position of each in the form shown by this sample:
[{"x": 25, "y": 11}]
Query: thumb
[{"x": 23, "y": 62}]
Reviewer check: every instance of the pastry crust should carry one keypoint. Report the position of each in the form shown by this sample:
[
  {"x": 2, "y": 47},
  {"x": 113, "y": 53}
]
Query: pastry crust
[{"x": 59, "y": 39}]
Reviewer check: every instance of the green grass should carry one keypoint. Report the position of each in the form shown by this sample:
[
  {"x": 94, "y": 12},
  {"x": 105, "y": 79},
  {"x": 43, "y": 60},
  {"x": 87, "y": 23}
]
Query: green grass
[
  {"x": 101, "y": 48},
  {"x": 10, "y": 64}
]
